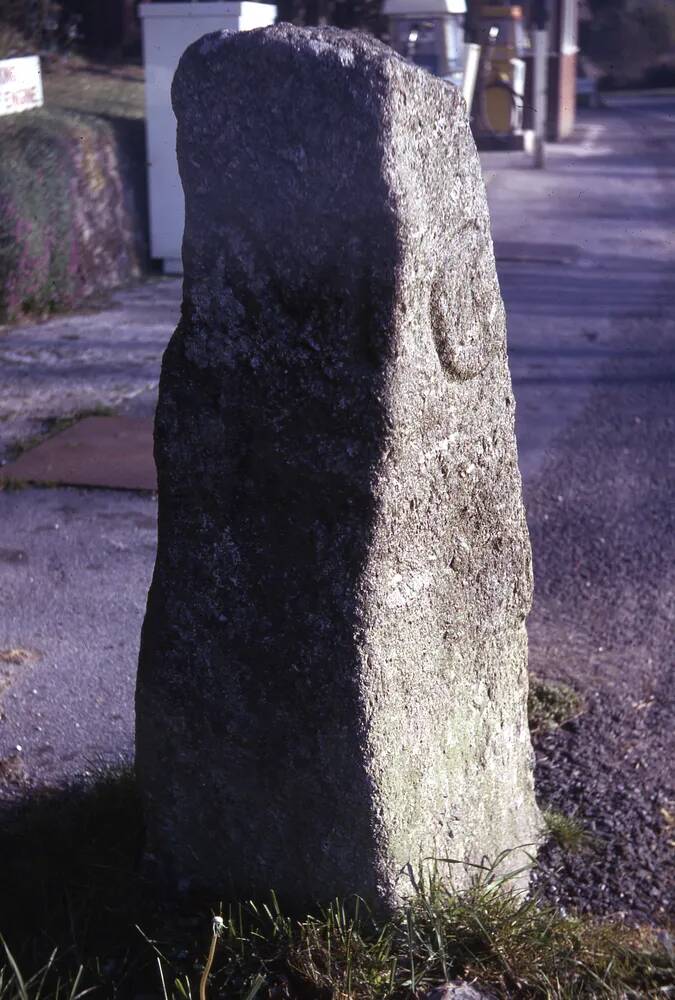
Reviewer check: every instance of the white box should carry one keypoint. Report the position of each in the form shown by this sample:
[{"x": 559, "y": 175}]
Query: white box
[
  {"x": 168, "y": 29},
  {"x": 20, "y": 84}
]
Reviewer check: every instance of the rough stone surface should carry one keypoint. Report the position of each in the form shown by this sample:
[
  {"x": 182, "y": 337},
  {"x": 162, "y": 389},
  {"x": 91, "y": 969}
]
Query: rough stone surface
[{"x": 332, "y": 680}]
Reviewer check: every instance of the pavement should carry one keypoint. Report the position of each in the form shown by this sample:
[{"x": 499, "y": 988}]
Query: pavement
[{"x": 585, "y": 257}]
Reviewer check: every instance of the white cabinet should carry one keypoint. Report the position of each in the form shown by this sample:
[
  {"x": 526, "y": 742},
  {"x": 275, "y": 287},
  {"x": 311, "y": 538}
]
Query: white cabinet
[{"x": 168, "y": 29}]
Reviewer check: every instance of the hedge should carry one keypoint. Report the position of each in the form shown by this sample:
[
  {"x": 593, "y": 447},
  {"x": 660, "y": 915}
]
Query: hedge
[{"x": 72, "y": 209}]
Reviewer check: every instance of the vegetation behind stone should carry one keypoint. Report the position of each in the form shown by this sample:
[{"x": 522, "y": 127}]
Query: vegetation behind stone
[
  {"x": 551, "y": 704},
  {"x": 72, "y": 203}
]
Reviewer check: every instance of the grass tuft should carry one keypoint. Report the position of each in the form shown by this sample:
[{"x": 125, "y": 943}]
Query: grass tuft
[
  {"x": 72, "y": 900},
  {"x": 568, "y": 832},
  {"x": 552, "y": 704}
]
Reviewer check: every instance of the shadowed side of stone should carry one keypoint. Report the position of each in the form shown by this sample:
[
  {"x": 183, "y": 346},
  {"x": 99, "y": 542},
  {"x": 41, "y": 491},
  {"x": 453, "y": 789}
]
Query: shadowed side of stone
[{"x": 332, "y": 679}]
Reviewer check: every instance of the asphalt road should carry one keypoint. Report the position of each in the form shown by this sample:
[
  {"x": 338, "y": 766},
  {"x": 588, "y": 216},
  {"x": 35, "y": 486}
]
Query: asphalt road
[
  {"x": 585, "y": 252},
  {"x": 593, "y": 362}
]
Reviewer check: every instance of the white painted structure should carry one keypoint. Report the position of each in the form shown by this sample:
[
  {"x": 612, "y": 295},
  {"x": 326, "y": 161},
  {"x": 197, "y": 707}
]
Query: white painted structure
[
  {"x": 423, "y": 8},
  {"x": 20, "y": 84},
  {"x": 168, "y": 29},
  {"x": 430, "y": 33}
]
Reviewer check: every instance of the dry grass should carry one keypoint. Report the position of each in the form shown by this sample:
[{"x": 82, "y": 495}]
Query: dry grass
[{"x": 17, "y": 656}]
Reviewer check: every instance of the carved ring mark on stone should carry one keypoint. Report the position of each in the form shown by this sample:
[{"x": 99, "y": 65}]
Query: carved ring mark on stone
[{"x": 465, "y": 311}]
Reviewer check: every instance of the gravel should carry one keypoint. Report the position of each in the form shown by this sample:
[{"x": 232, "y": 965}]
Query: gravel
[{"x": 603, "y": 622}]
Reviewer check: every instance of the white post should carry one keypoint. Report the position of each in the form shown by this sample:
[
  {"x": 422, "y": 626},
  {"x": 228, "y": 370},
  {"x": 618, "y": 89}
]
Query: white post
[
  {"x": 471, "y": 63},
  {"x": 168, "y": 29}
]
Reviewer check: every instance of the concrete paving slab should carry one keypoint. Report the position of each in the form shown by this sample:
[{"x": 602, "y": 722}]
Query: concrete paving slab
[{"x": 111, "y": 452}]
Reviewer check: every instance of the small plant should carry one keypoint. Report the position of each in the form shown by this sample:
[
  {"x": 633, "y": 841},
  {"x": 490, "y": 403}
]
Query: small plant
[
  {"x": 551, "y": 704},
  {"x": 216, "y": 931},
  {"x": 568, "y": 832}
]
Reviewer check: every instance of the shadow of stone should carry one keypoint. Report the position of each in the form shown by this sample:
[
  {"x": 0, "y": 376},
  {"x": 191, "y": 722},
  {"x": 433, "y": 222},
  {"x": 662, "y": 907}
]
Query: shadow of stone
[{"x": 70, "y": 877}]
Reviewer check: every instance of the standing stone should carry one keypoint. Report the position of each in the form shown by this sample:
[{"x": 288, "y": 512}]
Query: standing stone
[{"x": 333, "y": 677}]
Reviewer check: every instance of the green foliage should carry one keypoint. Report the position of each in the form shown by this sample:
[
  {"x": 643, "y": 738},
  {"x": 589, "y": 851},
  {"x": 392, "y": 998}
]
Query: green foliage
[
  {"x": 364, "y": 14},
  {"x": 35, "y": 213},
  {"x": 551, "y": 704},
  {"x": 72, "y": 901},
  {"x": 568, "y": 832},
  {"x": 72, "y": 193},
  {"x": 507, "y": 942},
  {"x": 626, "y": 37}
]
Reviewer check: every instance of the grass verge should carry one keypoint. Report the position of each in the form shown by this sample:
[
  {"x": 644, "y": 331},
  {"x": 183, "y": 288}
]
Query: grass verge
[{"x": 76, "y": 914}]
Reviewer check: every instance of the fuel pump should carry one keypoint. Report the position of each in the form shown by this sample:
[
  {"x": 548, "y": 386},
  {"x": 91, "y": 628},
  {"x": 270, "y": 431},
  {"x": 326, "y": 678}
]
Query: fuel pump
[
  {"x": 501, "y": 86},
  {"x": 429, "y": 33}
]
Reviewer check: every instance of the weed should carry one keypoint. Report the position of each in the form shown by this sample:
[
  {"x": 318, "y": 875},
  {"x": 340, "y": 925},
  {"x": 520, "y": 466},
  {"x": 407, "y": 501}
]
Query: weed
[
  {"x": 568, "y": 832},
  {"x": 551, "y": 704}
]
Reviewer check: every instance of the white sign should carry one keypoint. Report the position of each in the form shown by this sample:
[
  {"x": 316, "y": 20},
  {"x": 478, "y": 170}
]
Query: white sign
[{"x": 20, "y": 84}]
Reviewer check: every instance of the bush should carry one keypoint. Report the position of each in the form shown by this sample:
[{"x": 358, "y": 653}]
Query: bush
[
  {"x": 551, "y": 704},
  {"x": 69, "y": 224},
  {"x": 626, "y": 39},
  {"x": 12, "y": 42}
]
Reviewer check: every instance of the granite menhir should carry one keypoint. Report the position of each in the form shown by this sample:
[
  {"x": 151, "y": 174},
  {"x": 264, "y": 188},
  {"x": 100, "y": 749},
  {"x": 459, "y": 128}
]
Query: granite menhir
[{"x": 333, "y": 671}]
